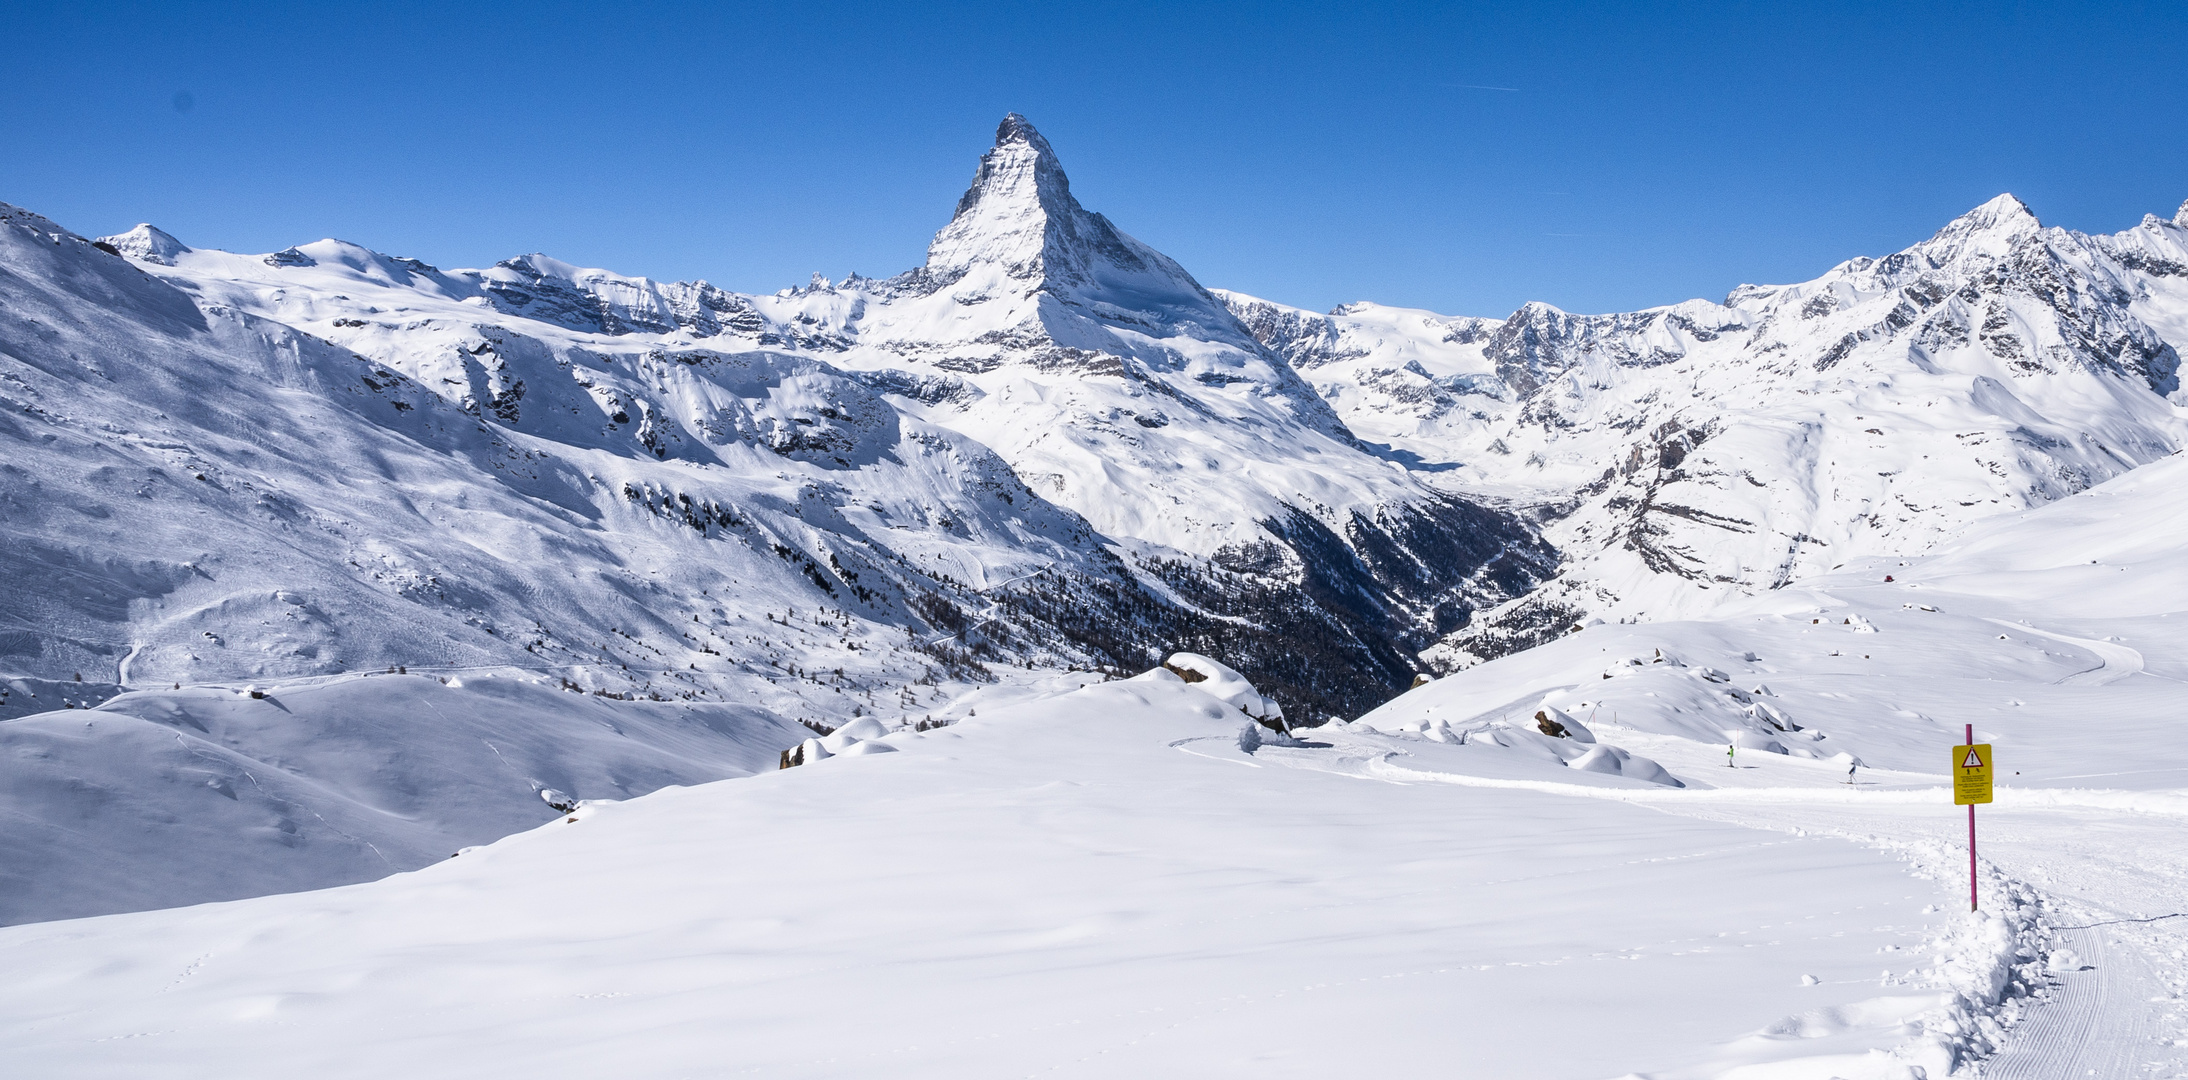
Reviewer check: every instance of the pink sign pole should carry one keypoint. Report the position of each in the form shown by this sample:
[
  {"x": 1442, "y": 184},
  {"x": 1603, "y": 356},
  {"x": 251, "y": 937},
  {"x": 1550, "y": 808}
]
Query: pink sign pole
[{"x": 1971, "y": 836}]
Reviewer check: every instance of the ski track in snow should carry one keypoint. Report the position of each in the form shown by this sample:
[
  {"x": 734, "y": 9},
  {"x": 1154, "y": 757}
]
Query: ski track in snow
[
  {"x": 2098, "y": 1019},
  {"x": 2115, "y": 661}
]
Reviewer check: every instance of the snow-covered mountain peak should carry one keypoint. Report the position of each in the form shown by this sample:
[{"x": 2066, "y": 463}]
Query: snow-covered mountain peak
[
  {"x": 1699, "y": 450},
  {"x": 2180, "y": 216},
  {"x": 1006, "y": 215},
  {"x": 1059, "y": 402},
  {"x": 1990, "y": 229},
  {"x": 1018, "y": 228},
  {"x": 147, "y": 243}
]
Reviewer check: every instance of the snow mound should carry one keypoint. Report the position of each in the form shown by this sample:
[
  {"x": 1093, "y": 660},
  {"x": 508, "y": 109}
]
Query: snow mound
[{"x": 1213, "y": 678}]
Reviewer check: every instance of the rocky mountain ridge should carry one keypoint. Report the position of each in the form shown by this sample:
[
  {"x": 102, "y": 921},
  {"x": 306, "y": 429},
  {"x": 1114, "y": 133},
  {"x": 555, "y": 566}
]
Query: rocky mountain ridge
[{"x": 1682, "y": 454}]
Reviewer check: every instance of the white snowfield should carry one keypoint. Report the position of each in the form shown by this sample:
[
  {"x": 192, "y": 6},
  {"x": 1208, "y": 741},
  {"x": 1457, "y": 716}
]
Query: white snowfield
[
  {"x": 1102, "y": 881},
  {"x": 1098, "y": 884}
]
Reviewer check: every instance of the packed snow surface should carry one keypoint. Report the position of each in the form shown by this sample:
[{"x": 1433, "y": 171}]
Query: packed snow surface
[{"x": 160, "y": 799}]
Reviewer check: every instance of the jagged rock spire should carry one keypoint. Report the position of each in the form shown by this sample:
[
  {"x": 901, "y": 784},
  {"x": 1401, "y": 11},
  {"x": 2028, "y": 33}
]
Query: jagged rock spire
[
  {"x": 1019, "y": 216},
  {"x": 1019, "y": 195}
]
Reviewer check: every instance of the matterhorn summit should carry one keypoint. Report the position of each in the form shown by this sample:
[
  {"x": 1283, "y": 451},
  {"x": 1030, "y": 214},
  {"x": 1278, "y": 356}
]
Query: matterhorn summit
[
  {"x": 1024, "y": 275},
  {"x": 1020, "y": 219}
]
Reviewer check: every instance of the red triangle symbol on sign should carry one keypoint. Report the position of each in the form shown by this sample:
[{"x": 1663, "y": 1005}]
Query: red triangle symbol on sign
[{"x": 1973, "y": 761}]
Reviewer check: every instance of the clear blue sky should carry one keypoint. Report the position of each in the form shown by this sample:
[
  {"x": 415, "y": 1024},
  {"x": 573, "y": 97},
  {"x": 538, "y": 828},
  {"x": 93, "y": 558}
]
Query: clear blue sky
[{"x": 1464, "y": 158}]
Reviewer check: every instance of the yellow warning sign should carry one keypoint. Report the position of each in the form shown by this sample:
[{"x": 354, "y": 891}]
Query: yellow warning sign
[{"x": 1971, "y": 770}]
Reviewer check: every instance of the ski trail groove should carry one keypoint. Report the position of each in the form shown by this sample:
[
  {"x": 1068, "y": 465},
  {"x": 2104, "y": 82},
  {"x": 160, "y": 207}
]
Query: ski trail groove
[
  {"x": 2115, "y": 661},
  {"x": 2099, "y": 1025},
  {"x": 2054, "y": 1038}
]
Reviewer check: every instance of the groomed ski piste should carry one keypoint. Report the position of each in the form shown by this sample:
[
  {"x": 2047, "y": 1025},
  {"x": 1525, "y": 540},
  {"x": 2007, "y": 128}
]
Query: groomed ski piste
[{"x": 1135, "y": 878}]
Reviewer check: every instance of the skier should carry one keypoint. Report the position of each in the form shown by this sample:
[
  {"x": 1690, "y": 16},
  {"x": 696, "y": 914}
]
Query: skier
[
  {"x": 1850, "y": 767},
  {"x": 1730, "y": 750}
]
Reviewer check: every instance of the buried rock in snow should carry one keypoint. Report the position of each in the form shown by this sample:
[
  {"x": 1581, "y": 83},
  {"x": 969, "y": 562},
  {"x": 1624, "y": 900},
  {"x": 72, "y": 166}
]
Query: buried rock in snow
[
  {"x": 1554, "y": 722},
  {"x": 1227, "y": 686},
  {"x": 805, "y": 753}
]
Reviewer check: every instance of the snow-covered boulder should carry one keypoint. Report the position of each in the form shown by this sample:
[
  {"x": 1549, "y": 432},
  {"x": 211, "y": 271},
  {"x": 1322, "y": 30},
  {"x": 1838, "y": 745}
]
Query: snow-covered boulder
[
  {"x": 857, "y": 731},
  {"x": 1616, "y": 762},
  {"x": 1558, "y": 724},
  {"x": 1227, "y": 686},
  {"x": 1755, "y": 740}
]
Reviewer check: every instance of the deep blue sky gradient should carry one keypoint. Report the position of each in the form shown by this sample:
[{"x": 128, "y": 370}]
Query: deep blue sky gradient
[{"x": 1634, "y": 155}]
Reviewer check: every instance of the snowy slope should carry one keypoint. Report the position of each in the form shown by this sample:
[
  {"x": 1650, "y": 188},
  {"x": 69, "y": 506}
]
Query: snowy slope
[
  {"x": 2075, "y": 608},
  {"x": 219, "y": 496},
  {"x": 1096, "y": 884},
  {"x": 167, "y": 799},
  {"x": 1702, "y": 449},
  {"x": 1105, "y": 880},
  {"x": 2057, "y": 633}
]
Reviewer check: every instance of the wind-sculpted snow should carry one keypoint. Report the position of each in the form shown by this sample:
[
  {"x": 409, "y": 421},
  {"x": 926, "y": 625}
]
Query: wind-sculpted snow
[{"x": 1704, "y": 450}]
